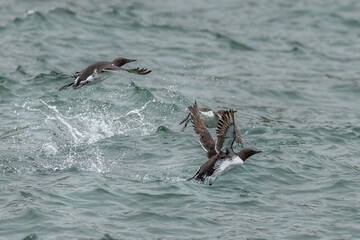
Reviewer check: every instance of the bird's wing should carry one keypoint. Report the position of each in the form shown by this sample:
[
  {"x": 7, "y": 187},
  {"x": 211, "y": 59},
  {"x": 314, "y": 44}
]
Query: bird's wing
[
  {"x": 206, "y": 141},
  {"x": 226, "y": 133},
  {"x": 75, "y": 75},
  {"x": 140, "y": 71},
  {"x": 186, "y": 121},
  {"x": 238, "y": 138},
  {"x": 112, "y": 68}
]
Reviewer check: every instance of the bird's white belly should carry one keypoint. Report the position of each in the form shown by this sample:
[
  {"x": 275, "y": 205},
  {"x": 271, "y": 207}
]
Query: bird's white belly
[
  {"x": 96, "y": 77},
  {"x": 224, "y": 166}
]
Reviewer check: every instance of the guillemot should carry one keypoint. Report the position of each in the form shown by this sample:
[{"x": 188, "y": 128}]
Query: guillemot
[
  {"x": 211, "y": 120},
  {"x": 100, "y": 71},
  {"x": 221, "y": 156}
]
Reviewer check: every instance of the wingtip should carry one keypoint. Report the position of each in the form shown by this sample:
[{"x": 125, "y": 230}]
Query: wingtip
[
  {"x": 226, "y": 119},
  {"x": 193, "y": 108},
  {"x": 231, "y": 112}
]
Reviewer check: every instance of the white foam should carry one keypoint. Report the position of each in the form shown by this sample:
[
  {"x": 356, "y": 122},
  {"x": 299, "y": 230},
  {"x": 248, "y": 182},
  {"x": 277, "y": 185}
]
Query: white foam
[{"x": 49, "y": 149}]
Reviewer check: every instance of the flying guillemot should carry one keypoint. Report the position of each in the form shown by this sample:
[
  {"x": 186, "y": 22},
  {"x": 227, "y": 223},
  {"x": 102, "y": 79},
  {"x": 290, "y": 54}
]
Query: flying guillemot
[
  {"x": 211, "y": 120},
  {"x": 221, "y": 156},
  {"x": 100, "y": 71}
]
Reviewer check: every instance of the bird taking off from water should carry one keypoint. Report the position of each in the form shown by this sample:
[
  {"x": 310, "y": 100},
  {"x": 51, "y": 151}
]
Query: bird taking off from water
[
  {"x": 221, "y": 156},
  {"x": 211, "y": 119},
  {"x": 100, "y": 71}
]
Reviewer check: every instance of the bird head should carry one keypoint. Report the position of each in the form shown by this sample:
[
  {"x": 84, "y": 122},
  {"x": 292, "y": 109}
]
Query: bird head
[
  {"x": 246, "y": 153},
  {"x": 121, "y": 61}
]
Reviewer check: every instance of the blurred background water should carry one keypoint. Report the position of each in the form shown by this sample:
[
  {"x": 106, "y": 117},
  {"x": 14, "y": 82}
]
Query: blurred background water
[{"x": 108, "y": 161}]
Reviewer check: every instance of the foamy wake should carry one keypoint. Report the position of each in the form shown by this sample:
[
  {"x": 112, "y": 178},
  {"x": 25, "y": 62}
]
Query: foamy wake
[
  {"x": 92, "y": 127},
  {"x": 73, "y": 137}
]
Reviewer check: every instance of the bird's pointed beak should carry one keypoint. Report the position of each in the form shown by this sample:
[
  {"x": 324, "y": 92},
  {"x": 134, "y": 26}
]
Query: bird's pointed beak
[
  {"x": 130, "y": 60},
  {"x": 256, "y": 152}
]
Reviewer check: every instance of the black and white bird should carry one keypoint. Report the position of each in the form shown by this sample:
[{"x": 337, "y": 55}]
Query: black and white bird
[
  {"x": 221, "y": 156},
  {"x": 100, "y": 71},
  {"x": 211, "y": 120}
]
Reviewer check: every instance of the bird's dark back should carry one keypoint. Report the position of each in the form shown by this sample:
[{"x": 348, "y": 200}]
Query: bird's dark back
[{"x": 90, "y": 69}]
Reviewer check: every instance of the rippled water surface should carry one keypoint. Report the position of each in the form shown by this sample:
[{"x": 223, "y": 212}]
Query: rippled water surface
[{"x": 108, "y": 161}]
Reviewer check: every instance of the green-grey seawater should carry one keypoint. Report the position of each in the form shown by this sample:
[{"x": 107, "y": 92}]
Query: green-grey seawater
[{"x": 108, "y": 161}]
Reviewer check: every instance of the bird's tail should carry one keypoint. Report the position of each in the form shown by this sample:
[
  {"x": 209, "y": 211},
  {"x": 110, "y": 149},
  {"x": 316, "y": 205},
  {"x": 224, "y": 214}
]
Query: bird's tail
[
  {"x": 193, "y": 176},
  {"x": 66, "y": 86}
]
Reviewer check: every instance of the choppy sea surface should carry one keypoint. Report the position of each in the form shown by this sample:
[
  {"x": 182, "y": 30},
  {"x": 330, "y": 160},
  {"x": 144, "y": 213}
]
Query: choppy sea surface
[{"x": 108, "y": 161}]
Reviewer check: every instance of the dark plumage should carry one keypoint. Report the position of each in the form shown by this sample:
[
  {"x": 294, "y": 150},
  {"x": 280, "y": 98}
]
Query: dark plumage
[
  {"x": 221, "y": 156},
  {"x": 211, "y": 119},
  {"x": 100, "y": 71}
]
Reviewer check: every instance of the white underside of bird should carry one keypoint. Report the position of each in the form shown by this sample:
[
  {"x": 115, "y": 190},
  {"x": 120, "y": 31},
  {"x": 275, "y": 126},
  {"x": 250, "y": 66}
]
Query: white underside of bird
[
  {"x": 95, "y": 77},
  {"x": 223, "y": 166}
]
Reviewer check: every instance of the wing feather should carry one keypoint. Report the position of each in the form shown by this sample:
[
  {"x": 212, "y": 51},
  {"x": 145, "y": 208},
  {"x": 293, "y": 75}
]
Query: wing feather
[
  {"x": 238, "y": 138},
  {"x": 206, "y": 140},
  {"x": 112, "y": 68},
  {"x": 226, "y": 133},
  {"x": 140, "y": 71}
]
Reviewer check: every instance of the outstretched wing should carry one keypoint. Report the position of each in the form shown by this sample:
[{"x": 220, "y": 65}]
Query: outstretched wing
[
  {"x": 112, "y": 68},
  {"x": 186, "y": 121},
  {"x": 238, "y": 138},
  {"x": 206, "y": 141},
  {"x": 75, "y": 75},
  {"x": 140, "y": 71},
  {"x": 226, "y": 133}
]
